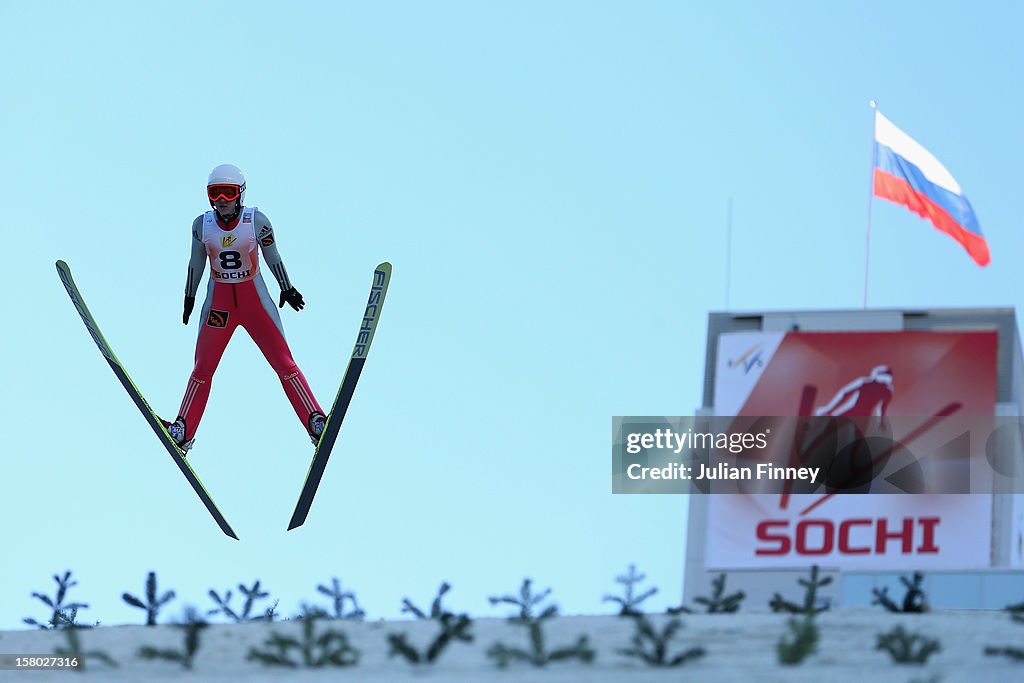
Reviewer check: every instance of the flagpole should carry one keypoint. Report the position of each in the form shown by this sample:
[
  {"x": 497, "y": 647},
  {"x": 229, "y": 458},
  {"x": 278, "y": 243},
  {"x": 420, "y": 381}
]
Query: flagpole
[
  {"x": 871, "y": 194},
  {"x": 728, "y": 252}
]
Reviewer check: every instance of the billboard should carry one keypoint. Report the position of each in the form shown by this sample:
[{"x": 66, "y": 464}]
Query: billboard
[{"x": 934, "y": 375}]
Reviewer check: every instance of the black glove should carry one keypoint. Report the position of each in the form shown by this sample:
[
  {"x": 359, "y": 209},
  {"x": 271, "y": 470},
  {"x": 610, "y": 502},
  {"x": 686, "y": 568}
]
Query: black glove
[
  {"x": 190, "y": 301},
  {"x": 292, "y": 297}
]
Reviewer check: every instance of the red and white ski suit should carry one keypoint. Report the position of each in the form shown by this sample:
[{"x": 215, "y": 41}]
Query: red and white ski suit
[{"x": 236, "y": 295}]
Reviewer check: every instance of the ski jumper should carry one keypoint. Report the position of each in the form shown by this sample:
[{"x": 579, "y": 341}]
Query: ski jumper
[
  {"x": 236, "y": 295},
  {"x": 865, "y": 396}
]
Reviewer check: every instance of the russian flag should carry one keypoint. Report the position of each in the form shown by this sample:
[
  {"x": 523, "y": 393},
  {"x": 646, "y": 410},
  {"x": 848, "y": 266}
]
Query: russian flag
[{"x": 907, "y": 174}]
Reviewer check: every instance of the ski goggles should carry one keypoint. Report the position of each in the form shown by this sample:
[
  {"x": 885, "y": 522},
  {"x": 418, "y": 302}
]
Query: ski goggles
[{"x": 227, "y": 192}]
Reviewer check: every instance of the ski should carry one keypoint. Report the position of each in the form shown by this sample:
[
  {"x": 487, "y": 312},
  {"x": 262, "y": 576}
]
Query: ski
[
  {"x": 374, "y": 305},
  {"x": 151, "y": 418}
]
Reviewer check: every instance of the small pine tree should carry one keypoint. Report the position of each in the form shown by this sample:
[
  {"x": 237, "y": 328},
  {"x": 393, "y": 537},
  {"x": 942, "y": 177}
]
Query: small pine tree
[
  {"x": 538, "y": 654},
  {"x": 152, "y": 604},
  {"x": 719, "y": 602},
  {"x": 63, "y": 615},
  {"x": 810, "y": 604},
  {"x": 436, "y": 609},
  {"x": 192, "y": 627},
  {"x": 314, "y": 650},
  {"x": 914, "y": 601},
  {"x": 74, "y": 648},
  {"x": 453, "y": 627},
  {"x": 905, "y": 647},
  {"x": 799, "y": 642},
  {"x": 651, "y": 646},
  {"x": 338, "y": 598},
  {"x": 252, "y": 595},
  {"x": 630, "y": 603}
]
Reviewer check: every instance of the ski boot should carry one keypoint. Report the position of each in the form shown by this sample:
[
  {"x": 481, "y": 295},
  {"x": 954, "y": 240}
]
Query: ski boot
[
  {"x": 316, "y": 427},
  {"x": 177, "y": 431}
]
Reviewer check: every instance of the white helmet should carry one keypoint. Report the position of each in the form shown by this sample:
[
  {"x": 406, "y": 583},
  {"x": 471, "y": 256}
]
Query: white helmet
[{"x": 228, "y": 174}]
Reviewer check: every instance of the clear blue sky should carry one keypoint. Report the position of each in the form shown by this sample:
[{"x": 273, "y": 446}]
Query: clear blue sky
[{"x": 550, "y": 181}]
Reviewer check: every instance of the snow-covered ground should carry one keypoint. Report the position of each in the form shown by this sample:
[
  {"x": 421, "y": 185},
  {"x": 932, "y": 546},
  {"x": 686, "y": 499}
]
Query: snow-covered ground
[{"x": 740, "y": 647}]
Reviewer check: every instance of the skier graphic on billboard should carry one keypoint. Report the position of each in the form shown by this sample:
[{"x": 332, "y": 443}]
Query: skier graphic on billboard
[
  {"x": 860, "y": 408},
  {"x": 864, "y": 396}
]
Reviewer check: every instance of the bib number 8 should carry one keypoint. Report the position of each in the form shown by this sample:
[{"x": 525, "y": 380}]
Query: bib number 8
[{"x": 230, "y": 260}]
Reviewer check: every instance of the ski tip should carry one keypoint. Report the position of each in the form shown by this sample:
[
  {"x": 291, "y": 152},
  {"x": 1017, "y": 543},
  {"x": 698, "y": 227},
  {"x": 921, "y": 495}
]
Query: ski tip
[
  {"x": 61, "y": 265},
  {"x": 386, "y": 265},
  {"x": 298, "y": 516}
]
